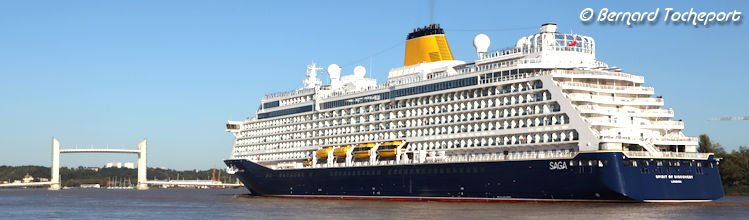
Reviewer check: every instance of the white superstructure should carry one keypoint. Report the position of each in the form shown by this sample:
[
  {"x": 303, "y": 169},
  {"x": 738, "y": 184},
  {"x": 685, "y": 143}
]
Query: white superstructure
[{"x": 548, "y": 96}]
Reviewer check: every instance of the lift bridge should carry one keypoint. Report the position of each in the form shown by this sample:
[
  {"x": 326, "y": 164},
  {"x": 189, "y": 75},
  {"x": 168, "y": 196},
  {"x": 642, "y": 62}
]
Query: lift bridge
[{"x": 143, "y": 183}]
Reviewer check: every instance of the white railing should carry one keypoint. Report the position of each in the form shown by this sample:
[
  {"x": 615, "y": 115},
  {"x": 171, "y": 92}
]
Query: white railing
[
  {"x": 607, "y": 87},
  {"x": 598, "y": 73},
  {"x": 606, "y": 99},
  {"x": 603, "y": 121},
  {"x": 689, "y": 139},
  {"x": 348, "y": 92},
  {"x": 666, "y": 154},
  {"x": 288, "y": 93},
  {"x": 640, "y": 139},
  {"x": 504, "y": 52},
  {"x": 630, "y": 138},
  {"x": 407, "y": 79},
  {"x": 611, "y": 110},
  {"x": 657, "y": 111},
  {"x": 510, "y": 77},
  {"x": 496, "y": 65}
]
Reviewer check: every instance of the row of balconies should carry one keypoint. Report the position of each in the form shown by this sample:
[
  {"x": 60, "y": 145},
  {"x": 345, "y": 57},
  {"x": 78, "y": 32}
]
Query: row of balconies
[
  {"x": 445, "y": 144},
  {"x": 428, "y": 119},
  {"x": 358, "y": 134},
  {"x": 413, "y": 111},
  {"x": 469, "y": 114},
  {"x": 451, "y": 97},
  {"x": 521, "y": 139}
]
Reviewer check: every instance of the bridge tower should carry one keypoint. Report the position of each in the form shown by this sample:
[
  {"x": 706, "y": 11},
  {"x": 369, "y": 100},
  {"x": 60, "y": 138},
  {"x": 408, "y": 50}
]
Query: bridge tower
[
  {"x": 142, "y": 178},
  {"x": 55, "y": 179}
]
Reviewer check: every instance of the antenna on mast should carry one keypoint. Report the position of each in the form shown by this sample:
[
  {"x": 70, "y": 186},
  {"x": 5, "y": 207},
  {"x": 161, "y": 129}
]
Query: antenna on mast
[{"x": 431, "y": 11}]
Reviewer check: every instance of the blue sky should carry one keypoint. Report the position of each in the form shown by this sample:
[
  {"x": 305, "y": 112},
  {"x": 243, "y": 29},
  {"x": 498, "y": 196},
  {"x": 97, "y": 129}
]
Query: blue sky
[{"x": 112, "y": 73}]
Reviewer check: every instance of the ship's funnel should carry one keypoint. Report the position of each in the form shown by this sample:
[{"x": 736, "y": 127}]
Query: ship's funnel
[{"x": 427, "y": 44}]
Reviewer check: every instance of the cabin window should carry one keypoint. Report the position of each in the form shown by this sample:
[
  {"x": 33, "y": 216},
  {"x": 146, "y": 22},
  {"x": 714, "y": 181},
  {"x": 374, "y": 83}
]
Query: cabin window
[
  {"x": 538, "y": 84},
  {"x": 603, "y": 163},
  {"x": 629, "y": 163},
  {"x": 555, "y": 107}
]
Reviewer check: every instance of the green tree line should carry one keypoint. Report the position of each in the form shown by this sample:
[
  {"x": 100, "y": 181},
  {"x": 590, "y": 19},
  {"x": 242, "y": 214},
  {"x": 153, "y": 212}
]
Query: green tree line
[
  {"x": 733, "y": 167},
  {"x": 82, "y": 175}
]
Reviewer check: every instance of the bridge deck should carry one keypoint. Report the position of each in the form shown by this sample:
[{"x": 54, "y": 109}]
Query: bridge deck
[{"x": 93, "y": 150}]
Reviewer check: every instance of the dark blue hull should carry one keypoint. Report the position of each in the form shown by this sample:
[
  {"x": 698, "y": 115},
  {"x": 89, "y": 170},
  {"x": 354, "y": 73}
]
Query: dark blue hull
[{"x": 599, "y": 176}]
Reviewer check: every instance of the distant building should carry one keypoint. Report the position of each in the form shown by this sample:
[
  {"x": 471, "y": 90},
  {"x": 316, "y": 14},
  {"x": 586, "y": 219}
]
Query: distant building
[
  {"x": 113, "y": 165},
  {"x": 42, "y": 179},
  {"x": 28, "y": 178},
  {"x": 90, "y": 185},
  {"x": 129, "y": 165}
]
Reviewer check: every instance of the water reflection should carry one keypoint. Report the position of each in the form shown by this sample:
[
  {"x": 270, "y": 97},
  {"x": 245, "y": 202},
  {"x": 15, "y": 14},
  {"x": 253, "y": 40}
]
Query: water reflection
[{"x": 235, "y": 204}]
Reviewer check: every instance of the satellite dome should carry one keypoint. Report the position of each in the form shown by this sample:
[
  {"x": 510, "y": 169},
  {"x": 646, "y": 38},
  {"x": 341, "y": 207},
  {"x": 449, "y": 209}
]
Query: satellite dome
[
  {"x": 334, "y": 71},
  {"x": 481, "y": 42},
  {"x": 360, "y": 72}
]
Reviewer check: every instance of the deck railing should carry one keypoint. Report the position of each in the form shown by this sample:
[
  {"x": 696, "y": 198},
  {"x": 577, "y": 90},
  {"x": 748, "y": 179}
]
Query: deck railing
[
  {"x": 599, "y": 73},
  {"x": 288, "y": 93},
  {"x": 637, "y": 138},
  {"x": 608, "y": 87},
  {"x": 674, "y": 155}
]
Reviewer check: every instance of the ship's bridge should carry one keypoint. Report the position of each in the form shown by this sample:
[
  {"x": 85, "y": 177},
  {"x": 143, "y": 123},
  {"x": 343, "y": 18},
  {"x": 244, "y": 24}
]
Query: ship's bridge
[
  {"x": 550, "y": 40},
  {"x": 548, "y": 48}
]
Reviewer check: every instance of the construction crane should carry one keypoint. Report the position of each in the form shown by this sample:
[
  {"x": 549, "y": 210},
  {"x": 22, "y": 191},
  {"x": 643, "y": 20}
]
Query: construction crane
[{"x": 738, "y": 118}]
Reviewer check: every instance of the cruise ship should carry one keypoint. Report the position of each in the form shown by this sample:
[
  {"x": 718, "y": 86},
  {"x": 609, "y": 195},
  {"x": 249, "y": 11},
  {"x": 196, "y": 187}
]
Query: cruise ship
[{"x": 542, "y": 120}]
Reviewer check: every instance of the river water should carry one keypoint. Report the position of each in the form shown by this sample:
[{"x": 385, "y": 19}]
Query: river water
[{"x": 235, "y": 204}]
